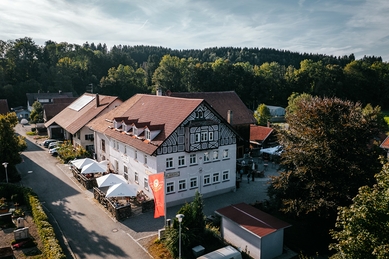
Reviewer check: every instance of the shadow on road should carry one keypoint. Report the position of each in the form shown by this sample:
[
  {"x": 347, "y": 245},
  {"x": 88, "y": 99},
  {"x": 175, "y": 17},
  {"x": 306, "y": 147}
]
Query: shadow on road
[{"x": 56, "y": 196}]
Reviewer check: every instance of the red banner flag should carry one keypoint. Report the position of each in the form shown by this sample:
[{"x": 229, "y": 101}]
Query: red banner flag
[{"x": 158, "y": 186}]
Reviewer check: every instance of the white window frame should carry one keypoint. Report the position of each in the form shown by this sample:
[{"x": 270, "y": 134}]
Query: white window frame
[
  {"x": 182, "y": 185},
  {"x": 136, "y": 154},
  {"x": 206, "y": 179},
  {"x": 225, "y": 175},
  {"x": 169, "y": 163},
  {"x": 193, "y": 182},
  {"x": 136, "y": 177},
  {"x": 125, "y": 150},
  {"x": 181, "y": 161},
  {"x": 146, "y": 183},
  {"x": 226, "y": 154},
  {"x": 210, "y": 136},
  {"x": 169, "y": 187},
  {"x": 216, "y": 178},
  {"x": 197, "y": 138},
  {"x": 204, "y": 136},
  {"x": 145, "y": 159},
  {"x": 147, "y": 134},
  {"x": 206, "y": 157},
  {"x": 215, "y": 155},
  {"x": 193, "y": 159},
  {"x": 125, "y": 172}
]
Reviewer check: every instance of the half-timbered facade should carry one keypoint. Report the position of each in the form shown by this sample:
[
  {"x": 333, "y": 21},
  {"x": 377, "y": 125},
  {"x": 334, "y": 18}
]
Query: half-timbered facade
[{"x": 184, "y": 138}]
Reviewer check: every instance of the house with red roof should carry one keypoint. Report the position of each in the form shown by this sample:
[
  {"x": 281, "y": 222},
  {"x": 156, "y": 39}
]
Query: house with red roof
[
  {"x": 253, "y": 231},
  {"x": 185, "y": 138},
  {"x": 70, "y": 123}
]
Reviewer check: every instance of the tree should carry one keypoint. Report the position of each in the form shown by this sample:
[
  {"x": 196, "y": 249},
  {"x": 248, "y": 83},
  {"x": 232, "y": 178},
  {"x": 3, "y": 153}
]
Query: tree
[
  {"x": 192, "y": 227},
  {"x": 363, "y": 227},
  {"x": 10, "y": 144},
  {"x": 36, "y": 115},
  {"x": 262, "y": 115},
  {"x": 328, "y": 154}
]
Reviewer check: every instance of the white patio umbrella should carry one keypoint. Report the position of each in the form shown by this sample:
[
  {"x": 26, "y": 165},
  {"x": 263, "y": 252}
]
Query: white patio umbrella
[
  {"x": 121, "y": 190},
  {"x": 80, "y": 163},
  {"x": 110, "y": 179},
  {"x": 92, "y": 168}
]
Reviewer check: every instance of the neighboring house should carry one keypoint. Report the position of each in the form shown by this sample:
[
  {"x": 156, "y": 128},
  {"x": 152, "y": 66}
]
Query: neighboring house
[
  {"x": 4, "y": 109},
  {"x": 277, "y": 113},
  {"x": 52, "y": 109},
  {"x": 262, "y": 137},
  {"x": 21, "y": 113},
  {"x": 253, "y": 231},
  {"x": 232, "y": 109},
  {"x": 385, "y": 145},
  {"x": 70, "y": 123},
  {"x": 45, "y": 98},
  {"x": 184, "y": 138}
]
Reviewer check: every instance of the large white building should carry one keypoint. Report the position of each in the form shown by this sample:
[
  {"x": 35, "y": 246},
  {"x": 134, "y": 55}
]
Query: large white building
[{"x": 184, "y": 138}]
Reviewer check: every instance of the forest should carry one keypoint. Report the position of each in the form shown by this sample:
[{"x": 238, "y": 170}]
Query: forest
[{"x": 257, "y": 75}]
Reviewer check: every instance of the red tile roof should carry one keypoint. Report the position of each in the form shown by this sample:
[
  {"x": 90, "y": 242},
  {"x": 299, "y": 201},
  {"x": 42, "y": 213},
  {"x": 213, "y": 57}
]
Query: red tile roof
[
  {"x": 72, "y": 120},
  {"x": 4, "y": 109},
  {"x": 385, "y": 143},
  {"x": 259, "y": 133},
  {"x": 254, "y": 220},
  {"x": 167, "y": 112},
  {"x": 222, "y": 102}
]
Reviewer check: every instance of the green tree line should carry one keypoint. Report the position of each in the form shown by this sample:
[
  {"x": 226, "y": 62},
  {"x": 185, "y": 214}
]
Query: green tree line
[{"x": 258, "y": 76}]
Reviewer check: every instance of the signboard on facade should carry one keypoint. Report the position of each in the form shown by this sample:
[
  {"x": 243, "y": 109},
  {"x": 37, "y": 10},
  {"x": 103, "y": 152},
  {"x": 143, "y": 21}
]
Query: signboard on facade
[{"x": 172, "y": 174}]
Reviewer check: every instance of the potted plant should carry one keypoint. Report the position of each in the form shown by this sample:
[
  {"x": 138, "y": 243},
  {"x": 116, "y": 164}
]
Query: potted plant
[
  {"x": 3, "y": 206},
  {"x": 17, "y": 213}
]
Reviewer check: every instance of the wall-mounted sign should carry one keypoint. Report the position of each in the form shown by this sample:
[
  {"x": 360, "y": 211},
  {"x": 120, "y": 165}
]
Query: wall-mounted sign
[{"x": 172, "y": 174}]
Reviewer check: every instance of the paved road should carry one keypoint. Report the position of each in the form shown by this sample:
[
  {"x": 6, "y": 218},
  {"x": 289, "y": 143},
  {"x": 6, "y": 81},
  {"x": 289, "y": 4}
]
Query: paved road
[{"x": 89, "y": 231}]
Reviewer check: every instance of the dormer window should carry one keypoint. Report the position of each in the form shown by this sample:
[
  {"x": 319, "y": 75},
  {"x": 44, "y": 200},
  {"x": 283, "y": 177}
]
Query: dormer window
[
  {"x": 147, "y": 134},
  {"x": 135, "y": 130}
]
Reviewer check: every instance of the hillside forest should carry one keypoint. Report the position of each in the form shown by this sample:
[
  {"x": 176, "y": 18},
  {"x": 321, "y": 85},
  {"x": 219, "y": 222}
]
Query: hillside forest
[{"x": 258, "y": 76}]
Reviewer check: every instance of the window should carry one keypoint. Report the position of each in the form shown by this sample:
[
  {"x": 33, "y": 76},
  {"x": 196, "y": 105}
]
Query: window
[
  {"x": 193, "y": 182},
  {"x": 215, "y": 178},
  {"x": 204, "y": 136},
  {"x": 125, "y": 170},
  {"x": 146, "y": 184},
  {"x": 145, "y": 159},
  {"x": 169, "y": 187},
  {"x": 182, "y": 185},
  {"x": 197, "y": 137},
  {"x": 192, "y": 159},
  {"x": 226, "y": 175},
  {"x": 181, "y": 161},
  {"x": 216, "y": 155},
  {"x": 207, "y": 180},
  {"x": 89, "y": 137},
  {"x": 136, "y": 155},
  {"x": 125, "y": 149},
  {"x": 169, "y": 162},
  {"x": 136, "y": 178},
  {"x": 116, "y": 166},
  {"x": 210, "y": 136},
  {"x": 225, "y": 153},
  {"x": 206, "y": 157},
  {"x": 147, "y": 134},
  {"x": 103, "y": 145}
]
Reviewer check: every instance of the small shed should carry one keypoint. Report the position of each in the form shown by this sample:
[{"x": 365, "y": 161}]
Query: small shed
[{"x": 252, "y": 231}]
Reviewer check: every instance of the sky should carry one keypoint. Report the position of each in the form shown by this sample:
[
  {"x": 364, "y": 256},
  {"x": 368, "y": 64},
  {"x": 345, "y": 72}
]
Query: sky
[{"x": 331, "y": 27}]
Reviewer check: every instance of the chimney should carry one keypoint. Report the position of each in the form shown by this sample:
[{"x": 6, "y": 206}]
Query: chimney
[
  {"x": 159, "y": 92},
  {"x": 97, "y": 100},
  {"x": 60, "y": 92},
  {"x": 229, "y": 116}
]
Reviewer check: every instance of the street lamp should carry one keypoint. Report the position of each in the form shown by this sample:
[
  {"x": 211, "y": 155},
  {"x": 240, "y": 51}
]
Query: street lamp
[
  {"x": 6, "y": 174},
  {"x": 179, "y": 217}
]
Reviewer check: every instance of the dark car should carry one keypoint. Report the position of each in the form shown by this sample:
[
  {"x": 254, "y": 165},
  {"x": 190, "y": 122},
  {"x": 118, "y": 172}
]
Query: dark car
[{"x": 48, "y": 141}]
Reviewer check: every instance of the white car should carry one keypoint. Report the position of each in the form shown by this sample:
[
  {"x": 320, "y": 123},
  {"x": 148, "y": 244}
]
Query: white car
[
  {"x": 54, "y": 144},
  {"x": 54, "y": 151}
]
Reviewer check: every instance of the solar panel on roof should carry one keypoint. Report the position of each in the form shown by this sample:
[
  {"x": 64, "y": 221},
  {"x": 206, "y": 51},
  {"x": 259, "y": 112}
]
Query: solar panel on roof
[{"x": 81, "y": 102}]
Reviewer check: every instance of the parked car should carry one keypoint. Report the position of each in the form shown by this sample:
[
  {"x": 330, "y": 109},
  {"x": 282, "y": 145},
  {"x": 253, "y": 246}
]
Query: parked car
[
  {"x": 48, "y": 141},
  {"x": 54, "y": 151},
  {"x": 54, "y": 144}
]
